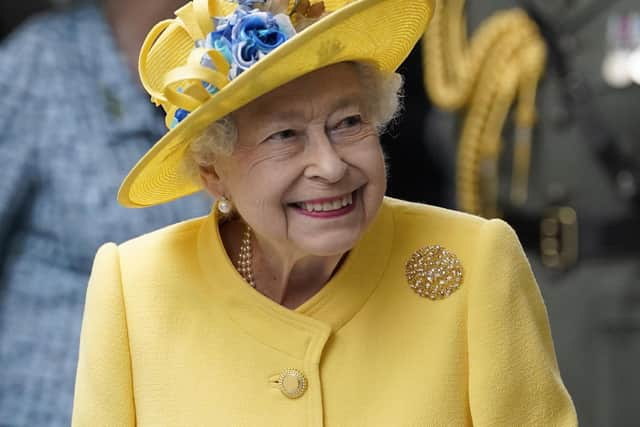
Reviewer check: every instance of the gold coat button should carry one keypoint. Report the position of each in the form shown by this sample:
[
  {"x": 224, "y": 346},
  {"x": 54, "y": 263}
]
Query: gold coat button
[{"x": 292, "y": 383}]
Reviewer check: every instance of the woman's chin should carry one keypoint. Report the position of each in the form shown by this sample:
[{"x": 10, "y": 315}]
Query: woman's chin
[
  {"x": 327, "y": 239},
  {"x": 328, "y": 243},
  {"x": 328, "y": 250}
]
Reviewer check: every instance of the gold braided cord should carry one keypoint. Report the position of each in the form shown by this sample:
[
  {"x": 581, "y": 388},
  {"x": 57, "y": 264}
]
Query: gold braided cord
[{"x": 483, "y": 77}]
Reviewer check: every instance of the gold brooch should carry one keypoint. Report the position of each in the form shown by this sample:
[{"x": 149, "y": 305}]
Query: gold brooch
[{"x": 434, "y": 272}]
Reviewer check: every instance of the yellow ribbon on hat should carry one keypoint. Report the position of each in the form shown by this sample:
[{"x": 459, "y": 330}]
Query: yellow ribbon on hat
[
  {"x": 196, "y": 16},
  {"x": 203, "y": 11},
  {"x": 182, "y": 87},
  {"x": 193, "y": 74},
  {"x": 156, "y": 31}
]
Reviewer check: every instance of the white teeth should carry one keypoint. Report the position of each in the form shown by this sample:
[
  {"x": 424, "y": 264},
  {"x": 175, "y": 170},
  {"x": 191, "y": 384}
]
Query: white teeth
[{"x": 327, "y": 206}]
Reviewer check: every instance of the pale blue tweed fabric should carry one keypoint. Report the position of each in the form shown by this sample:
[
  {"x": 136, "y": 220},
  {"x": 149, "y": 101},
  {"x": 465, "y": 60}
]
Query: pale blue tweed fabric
[{"x": 72, "y": 123}]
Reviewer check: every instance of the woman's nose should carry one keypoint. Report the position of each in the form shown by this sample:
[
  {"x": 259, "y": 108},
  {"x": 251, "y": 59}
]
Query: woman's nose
[{"x": 323, "y": 161}]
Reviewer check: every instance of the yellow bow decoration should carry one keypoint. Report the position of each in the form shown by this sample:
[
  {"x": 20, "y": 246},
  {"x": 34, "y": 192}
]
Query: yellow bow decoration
[
  {"x": 192, "y": 75},
  {"x": 180, "y": 85}
]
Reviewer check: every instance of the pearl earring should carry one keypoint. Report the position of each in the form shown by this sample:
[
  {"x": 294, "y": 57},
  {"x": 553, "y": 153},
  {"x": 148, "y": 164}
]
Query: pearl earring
[{"x": 224, "y": 205}]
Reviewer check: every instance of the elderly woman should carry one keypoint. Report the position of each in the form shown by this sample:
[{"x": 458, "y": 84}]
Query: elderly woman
[{"x": 306, "y": 297}]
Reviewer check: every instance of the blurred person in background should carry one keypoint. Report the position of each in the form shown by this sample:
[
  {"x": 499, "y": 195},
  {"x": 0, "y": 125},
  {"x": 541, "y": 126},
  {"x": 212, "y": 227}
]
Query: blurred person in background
[
  {"x": 548, "y": 137},
  {"x": 73, "y": 119}
]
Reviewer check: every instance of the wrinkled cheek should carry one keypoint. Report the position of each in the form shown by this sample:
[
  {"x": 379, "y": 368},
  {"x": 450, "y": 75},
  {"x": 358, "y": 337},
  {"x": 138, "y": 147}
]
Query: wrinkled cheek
[
  {"x": 274, "y": 219},
  {"x": 384, "y": 163},
  {"x": 253, "y": 210},
  {"x": 379, "y": 173},
  {"x": 378, "y": 186},
  {"x": 267, "y": 213},
  {"x": 261, "y": 208}
]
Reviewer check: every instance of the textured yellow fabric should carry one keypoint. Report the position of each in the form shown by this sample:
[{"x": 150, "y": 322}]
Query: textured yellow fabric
[{"x": 173, "y": 336}]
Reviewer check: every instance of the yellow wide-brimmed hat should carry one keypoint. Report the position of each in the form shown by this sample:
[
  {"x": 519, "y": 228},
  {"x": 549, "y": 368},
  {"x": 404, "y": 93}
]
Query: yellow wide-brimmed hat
[{"x": 189, "y": 67}]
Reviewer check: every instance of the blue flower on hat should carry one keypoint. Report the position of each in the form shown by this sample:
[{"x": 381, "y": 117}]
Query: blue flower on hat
[
  {"x": 225, "y": 24},
  {"x": 243, "y": 37},
  {"x": 216, "y": 40},
  {"x": 255, "y": 35},
  {"x": 179, "y": 116}
]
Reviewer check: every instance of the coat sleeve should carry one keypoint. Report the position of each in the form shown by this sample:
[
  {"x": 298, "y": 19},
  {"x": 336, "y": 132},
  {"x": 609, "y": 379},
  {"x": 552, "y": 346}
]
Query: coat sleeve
[
  {"x": 514, "y": 378},
  {"x": 104, "y": 389}
]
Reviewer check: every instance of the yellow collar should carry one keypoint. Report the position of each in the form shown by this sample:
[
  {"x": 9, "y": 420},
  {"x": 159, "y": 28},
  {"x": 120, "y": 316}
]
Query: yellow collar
[{"x": 328, "y": 310}]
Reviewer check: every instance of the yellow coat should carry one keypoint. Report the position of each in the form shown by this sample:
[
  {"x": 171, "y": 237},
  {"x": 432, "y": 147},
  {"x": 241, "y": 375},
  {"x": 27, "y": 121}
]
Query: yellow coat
[{"x": 172, "y": 335}]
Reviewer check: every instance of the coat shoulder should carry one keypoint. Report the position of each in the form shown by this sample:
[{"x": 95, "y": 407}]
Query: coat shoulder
[
  {"x": 470, "y": 238},
  {"x": 164, "y": 243},
  {"x": 421, "y": 220}
]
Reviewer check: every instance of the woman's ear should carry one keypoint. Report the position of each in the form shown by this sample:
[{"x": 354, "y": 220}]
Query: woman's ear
[{"x": 212, "y": 181}]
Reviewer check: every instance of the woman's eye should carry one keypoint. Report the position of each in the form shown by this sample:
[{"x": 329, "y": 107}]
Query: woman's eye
[
  {"x": 283, "y": 135},
  {"x": 350, "y": 122}
]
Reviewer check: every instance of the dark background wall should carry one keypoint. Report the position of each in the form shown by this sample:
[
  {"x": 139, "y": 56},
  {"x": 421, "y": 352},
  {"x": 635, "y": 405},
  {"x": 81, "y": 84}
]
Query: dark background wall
[{"x": 416, "y": 172}]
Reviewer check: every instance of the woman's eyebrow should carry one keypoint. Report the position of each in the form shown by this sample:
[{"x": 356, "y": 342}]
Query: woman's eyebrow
[
  {"x": 282, "y": 116},
  {"x": 348, "y": 100}
]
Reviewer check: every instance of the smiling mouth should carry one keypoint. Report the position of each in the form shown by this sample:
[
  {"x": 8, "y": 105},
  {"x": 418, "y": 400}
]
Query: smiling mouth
[
  {"x": 326, "y": 205},
  {"x": 327, "y": 208}
]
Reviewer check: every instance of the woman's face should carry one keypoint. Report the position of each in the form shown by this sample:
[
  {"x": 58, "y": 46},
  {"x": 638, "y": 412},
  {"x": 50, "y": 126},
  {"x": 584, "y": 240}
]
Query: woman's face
[{"x": 307, "y": 172}]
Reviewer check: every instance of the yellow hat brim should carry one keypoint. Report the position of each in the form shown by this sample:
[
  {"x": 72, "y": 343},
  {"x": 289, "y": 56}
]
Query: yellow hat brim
[{"x": 381, "y": 32}]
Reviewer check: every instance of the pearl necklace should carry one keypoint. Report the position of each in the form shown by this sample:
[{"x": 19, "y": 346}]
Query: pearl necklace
[{"x": 244, "y": 263}]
